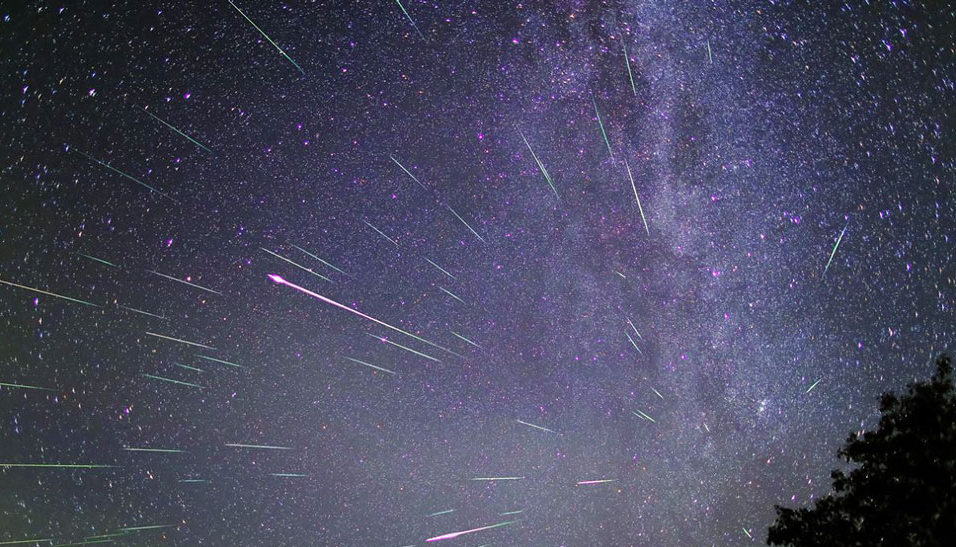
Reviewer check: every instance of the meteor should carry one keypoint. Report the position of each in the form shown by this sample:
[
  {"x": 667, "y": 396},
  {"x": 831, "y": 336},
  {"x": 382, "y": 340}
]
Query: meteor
[
  {"x": 465, "y": 223},
  {"x": 541, "y": 168},
  {"x": 601, "y": 125},
  {"x": 184, "y": 282},
  {"x": 453, "y": 535},
  {"x": 633, "y": 343},
  {"x": 814, "y": 385},
  {"x": 319, "y": 259},
  {"x": 410, "y": 20},
  {"x": 181, "y": 341},
  {"x": 280, "y": 257},
  {"x": 125, "y": 175},
  {"x": 370, "y": 365},
  {"x": 288, "y": 474},
  {"x": 53, "y": 294},
  {"x": 379, "y": 232},
  {"x": 627, "y": 61},
  {"x": 640, "y": 414},
  {"x": 445, "y": 512},
  {"x": 190, "y": 139},
  {"x": 100, "y": 260},
  {"x": 636, "y": 197},
  {"x": 170, "y": 380},
  {"x": 597, "y": 481},
  {"x": 134, "y": 310},
  {"x": 220, "y": 361},
  {"x": 266, "y": 36},
  {"x": 536, "y": 426},
  {"x": 21, "y": 386},
  {"x": 657, "y": 393},
  {"x": 260, "y": 446},
  {"x": 465, "y": 339},
  {"x": 406, "y": 348},
  {"x": 442, "y": 270},
  {"x": 451, "y": 294},
  {"x": 832, "y": 253},
  {"x": 58, "y": 465},
  {"x": 157, "y": 450},
  {"x": 492, "y": 479},
  {"x": 407, "y": 172}
]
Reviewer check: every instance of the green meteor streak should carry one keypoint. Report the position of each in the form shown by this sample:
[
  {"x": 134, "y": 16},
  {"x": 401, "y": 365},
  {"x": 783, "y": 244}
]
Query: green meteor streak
[
  {"x": 392, "y": 241},
  {"x": 442, "y": 270},
  {"x": 399, "y": 2},
  {"x": 640, "y": 414},
  {"x": 153, "y": 527},
  {"x": 126, "y": 175},
  {"x": 280, "y": 257},
  {"x": 506, "y": 513},
  {"x": 544, "y": 171},
  {"x": 91, "y": 542},
  {"x": 465, "y": 339},
  {"x": 451, "y": 294},
  {"x": 636, "y": 197},
  {"x": 814, "y": 385},
  {"x": 262, "y": 446},
  {"x": 832, "y": 253},
  {"x": 100, "y": 260},
  {"x": 181, "y": 341},
  {"x": 113, "y": 535},
  {"x": 266, "y": 36},
  {"x": 376, "y": 367},
  {"x": 633, "y": 343},
  {"x": 465, "y": 223},
  {"x": 406, "y": 348},
  {"x": 53, "y": 294},
  {"x": 170, "y": 380},
  {"x": 184, "y": 282},
  {"x": 601, "y": 125},
  {"x": 746, "y": 532},
  {"x": 190, "y": 139},
  {"x": 627, "y": 61},
  {"x": 319, "y": 259},
  {"x": 187, "y": 367},
  {"x": 407, "y": 172},
  {"x": 134, "y": 310},
  {"x": 58, "y": 465},
  {"x": 220, "y": 361},
  {"x": 21, "y": 386},
  {"x": 157, "y": 450},
  {"x": 22, "y": 541}
]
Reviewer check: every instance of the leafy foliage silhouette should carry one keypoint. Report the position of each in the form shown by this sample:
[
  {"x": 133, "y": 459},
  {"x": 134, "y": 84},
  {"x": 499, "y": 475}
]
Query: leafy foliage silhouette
[{"x": 903, "y": 488}]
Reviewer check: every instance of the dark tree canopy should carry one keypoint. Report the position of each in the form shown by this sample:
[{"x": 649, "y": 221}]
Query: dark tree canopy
[{"x": 903, "y": 488}]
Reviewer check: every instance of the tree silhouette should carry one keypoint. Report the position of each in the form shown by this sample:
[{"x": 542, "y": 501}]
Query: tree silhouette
[{"x": 903, "y": 488}]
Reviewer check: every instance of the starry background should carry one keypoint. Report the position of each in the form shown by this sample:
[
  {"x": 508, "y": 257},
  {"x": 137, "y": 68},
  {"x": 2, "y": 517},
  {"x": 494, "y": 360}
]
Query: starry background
[{"x": 756, "y": 133}]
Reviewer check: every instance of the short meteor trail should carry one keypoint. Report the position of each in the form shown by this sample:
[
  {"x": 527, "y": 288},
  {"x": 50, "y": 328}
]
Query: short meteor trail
[
  {"x": 261, "y": 446},
  {"x": 157, "y": 450},
  {"x": 297, "y": 265},
  {"x": 410, "y": 20},
  {"x": 636, "y": 197},
  {"x": 639, "y": 337},
  {"x": 206, "y": 357},
  {"x": 746, "y": 532},
  {"x": 134, "y": 310},
  {"x": 319, "y": 259},
  {"x": 492, "y": 479},
  {"x": 187, "y": 137},
  {"x": 406, "y": 348},
  {"x": 657, "y": 393},
  {"x": 465, "y": 223},
  {"x": 153, "y": 527},
  {"x": 451, "y": 294},
  {"x": 506, "y": 513},
  {"x": 442, "y": 270},
  {"x": 126, "y": 175},
  {"x": 370, "y": 365},
  {"x": 597, "y": 481},
  {"x": 58, "y": 465},
  {"x": 633, "y": 343},
  {"x": 627, "y": 61},
  {"x": 21, "y": 386},
  {"x": 100, "y": 260},
  {"x": 181, "y": 341},
  {"x": 809, "y": 389},
  {"x": 407, "y": 172},
  {"x": 453, "y": 535},
  {"x": 266, "y": 36},
  {"x": 187, "y": 367},
  {"x": 640, "y": 414},
  {"x": 536, "y": 426},
  {"x": 288, "y": 474},
  {"x": 620, "y": 274},
  {"x": 192, "y": 480},
  {"x": 601, "y": 125},
  {"x": 465, "y": 339},
  {"x": 53, "y": 294},
  {"x": 379, "y": 232},
  {"x": 170, "y": 380},
  {"x": 24, "y": 541},
  {"x": 176, "y": 279},
  {"x": 281, "y": 281},
  {"x": 445, "y": 512},
  {"x": 544, "y": 171},
  {"x": 832, "y": 253}
]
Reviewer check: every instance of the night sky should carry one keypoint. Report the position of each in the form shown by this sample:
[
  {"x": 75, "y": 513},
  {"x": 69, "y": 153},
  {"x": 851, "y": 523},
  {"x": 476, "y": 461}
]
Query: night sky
[{"x": 670, "y": 250}]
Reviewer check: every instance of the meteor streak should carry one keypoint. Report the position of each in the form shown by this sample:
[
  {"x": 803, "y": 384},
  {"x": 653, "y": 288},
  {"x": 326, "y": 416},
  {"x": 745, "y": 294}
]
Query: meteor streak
[
  {"x": 406, "y": 348},
  {"x": 536, "y": 426},
  {"x": 640, "y": 414},
  {"x": 190, "y": 139},
  {"x": 220, "y": 361},
  {"x": 58, "y": 465},
  {"x": 635, "y": 330},
  {"x": 281, "y": 281},
  {"x": 465, "y": 223},
  {"x": 710, "y": 55},
  {"x": 153, "y": 527},
  {"x": 266, "y": 36},
  {"x": 453, "y": 535},
  {"x": 158, "y": 450},
  {"x": 53, "y": 294},
  {"x": 181, "y": 341},
  {"x": 399, "y": 2},
  {"x": 129, "y": 308},
  {"x": 442, "y": 270},
  {"x": 497, "y": 478},
  {"x": 746, "y": 532},
  {"x": 370, "y": 365},
  {"x": 280, "y": 257},
  {"x": 451, "y": 294},
  {"x": 170, "y": 380},
  {"x": 506, "y": 513},
  {"x": 657, "y": 393},
  {"x": 627, "y": 61},
  {"x": 288, "y": 474},
  {"x": 21, "y": 386},
  {"x": 392, "y": 241},
  {"x": 636, "y": 197},
  {"x": 194, "y": 369},
  {"x": 541, "y": 168},
  {"x": 633, "y": 343},
  {"x": 465, "y": 339},
  {"x": 24, "y": 541},
  {"x": 126, "y": 175},
  {"x": 407, "y": 172},
  {"x": 597, "y": 481},
  {"x": 262, "y": 446},
  {"x": 176, "y": 279},
  {"x": 319, "y": 259},
  {"x": 814, "y": 385},
  {"x": 100, "y": 260},
  {"x": 832, "y": 253},
  {"x": 603, "y": 133},
  {"x": 445, "y": 512}
]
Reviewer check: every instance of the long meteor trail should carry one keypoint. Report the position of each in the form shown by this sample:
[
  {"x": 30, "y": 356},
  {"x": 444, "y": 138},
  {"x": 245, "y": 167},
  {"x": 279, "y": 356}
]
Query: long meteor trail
[
  {"x": 636, "y": 197},
  {"x": 492, "y": 479},
  {"x": 100, "y": 260},
  {"x": 407, "y": 172},
  {"x": 465, "y": 223},
  {"x": 536, "y": 426},
  {"x": 171, "y": 381},
  {"x": 297, "y": 265},
  {"x": 641, "y": 415},
  {"x": 134, "y": 310},
  {"x": 281, "y": 281},
  {"x": 260, "y": 446},
  {"x": 453, "y": 535},
  {"x": 832, "y": 253},
  {"x": 603, "y": 132},
  {"x": 180, "y": 340},
  {"x": 442, "y": 270},
  {"x": 58, "y": 465},
  {"x": 48, "y": 293},
  {"x": 156, "y": 450},
  {"x": 541, "y": 168},
  {"x": 187, "y": 137},
  {"x": 406, "y": 348},
  {"x": 410, "y": 20},
  {"x": 176, "y": 279},
  {"x": 381, "y": 233},
  {"x": 206, "y": 357},
  {"x": 266, "y": 36},
  {"x": 597, "y": 481},
  {"x": 627, "y": 61},
  {"x": 451, "y": 294},
  {"x": 319, "y": 259},
  {"x": 465, "y": 339},
  {"x": 370, "y": 365},
  {"x": 125, "y": 175},
  {"x": 21, "y": 386}
]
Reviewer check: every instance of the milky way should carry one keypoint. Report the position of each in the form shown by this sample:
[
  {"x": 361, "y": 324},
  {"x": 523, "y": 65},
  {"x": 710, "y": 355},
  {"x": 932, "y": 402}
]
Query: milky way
[{"x": 389, "y": 273}]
